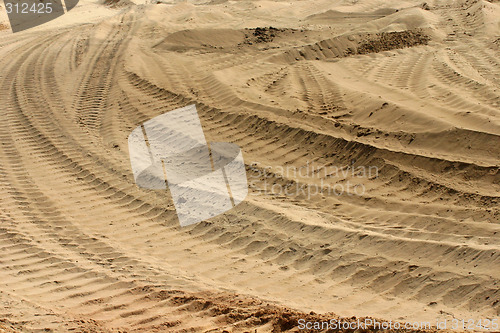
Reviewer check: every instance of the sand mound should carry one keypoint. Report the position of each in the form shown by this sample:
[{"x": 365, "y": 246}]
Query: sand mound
[
  {"x": 387, "y": 41},
  {"x": 331, "y": 16},
  {"x": 198, "y": 39},
  {"x": 117, "y": 3},
  {"x": 344, "y": 46},
  {"x": 262, "y": 35}
]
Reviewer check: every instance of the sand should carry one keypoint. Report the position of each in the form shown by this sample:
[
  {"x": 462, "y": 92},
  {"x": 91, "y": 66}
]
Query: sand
[{"x": 409, "y": 89}]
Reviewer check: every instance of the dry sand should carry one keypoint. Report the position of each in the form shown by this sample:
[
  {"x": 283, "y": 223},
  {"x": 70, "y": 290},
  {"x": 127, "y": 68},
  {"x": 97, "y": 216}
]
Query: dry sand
[{"x": 411, "y": 89}]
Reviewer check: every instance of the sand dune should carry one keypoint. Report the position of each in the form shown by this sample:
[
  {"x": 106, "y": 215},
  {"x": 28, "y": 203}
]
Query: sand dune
[{"x": 410, "y": 90}]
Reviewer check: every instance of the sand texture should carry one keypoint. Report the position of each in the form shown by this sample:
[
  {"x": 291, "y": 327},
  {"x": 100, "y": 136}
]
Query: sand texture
[{"x": 410, "y": 89}]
